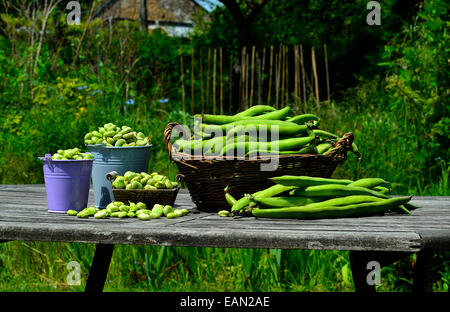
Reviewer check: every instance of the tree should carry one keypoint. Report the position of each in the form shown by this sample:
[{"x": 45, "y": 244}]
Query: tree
[
  {"x": 143, "y": 14},
  {"x": 244, "y": 19}
]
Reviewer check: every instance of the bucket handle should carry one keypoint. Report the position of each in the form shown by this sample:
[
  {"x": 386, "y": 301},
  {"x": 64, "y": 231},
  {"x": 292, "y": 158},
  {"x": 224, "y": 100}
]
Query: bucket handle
[
  {"x": 111, "y": 176},
  {"x": 180, "y": 179},
  {"x": 48, "y": 159}
]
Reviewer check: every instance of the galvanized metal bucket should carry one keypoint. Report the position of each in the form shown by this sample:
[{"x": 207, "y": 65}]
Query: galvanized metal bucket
[{"x": 119, "y": 159}]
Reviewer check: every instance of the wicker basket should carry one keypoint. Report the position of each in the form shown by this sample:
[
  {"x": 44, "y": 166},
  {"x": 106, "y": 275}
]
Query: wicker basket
[
  {"x": 206, "y": 177},
  {"x": 148, "y": 197}
]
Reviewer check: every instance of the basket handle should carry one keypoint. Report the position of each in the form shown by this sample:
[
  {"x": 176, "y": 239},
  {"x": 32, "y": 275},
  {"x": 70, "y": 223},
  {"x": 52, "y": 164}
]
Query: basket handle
[
  {"x": 180, "y": 178},
  {"x": 341, "y": 148},
  {"x": 167, "y": 135}
]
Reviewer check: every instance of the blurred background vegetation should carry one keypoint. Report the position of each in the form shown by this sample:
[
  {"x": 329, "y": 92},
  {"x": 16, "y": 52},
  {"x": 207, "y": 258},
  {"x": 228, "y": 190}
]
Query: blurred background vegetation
[{"x": 389, "y": 86}]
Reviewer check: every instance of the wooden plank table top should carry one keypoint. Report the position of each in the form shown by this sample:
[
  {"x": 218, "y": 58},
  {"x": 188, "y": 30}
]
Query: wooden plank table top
[{"x": 24, "y": 216}]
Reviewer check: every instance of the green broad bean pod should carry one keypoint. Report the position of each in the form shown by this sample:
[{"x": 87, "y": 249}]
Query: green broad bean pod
[
  {"x": 283, "y": 127},
  {"x": 335, "y": 190},
  {"x": 285, "y": 201},
  {"x": 281, "y": 145},
  {"x": 229, "y": 198},
  {"x": 323, "y": 147},
  {"x": 301, "y": 119},
  {"x": 369, "y": 182},
  {"x": 304, "y": 150},
  {"x": 262, "y": 111},
  {"x": 256, "y": 110},
  {"x": 274, "y": 190},
  {"x": 325, "y": 134},
  {"x": 326, "y": 211},
  {"x": 382, "y": 189},
  {"x": 346, "y": 200},
  {"x": 302, "y": 181}
]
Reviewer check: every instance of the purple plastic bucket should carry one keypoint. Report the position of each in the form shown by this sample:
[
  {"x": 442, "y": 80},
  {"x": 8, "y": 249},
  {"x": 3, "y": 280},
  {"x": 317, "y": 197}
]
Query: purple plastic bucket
[{"x": 67, "y": 183}]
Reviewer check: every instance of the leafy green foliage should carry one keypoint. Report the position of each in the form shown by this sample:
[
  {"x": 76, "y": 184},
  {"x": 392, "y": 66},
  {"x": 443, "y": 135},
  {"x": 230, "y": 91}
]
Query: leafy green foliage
[
  {"x": 417, "y": 83},
  {"x": 391, "y": 90}
]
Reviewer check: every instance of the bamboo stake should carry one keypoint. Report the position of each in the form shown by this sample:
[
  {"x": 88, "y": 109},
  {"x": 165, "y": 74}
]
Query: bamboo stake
[
  {"x": 326, "y": 72},
  {"x": 295, "y": 76},
  {"x": 252, "y": 76},
  {"x": 230, "y": 86},
  {"x": 221, "y": 81},
  {"x": 182, "y": 83},
  {"x": 262, "y": 75},
  {"x": 201, "y": 83},
  {"x": 258, "y": 74},
  {"x": 207, "y": 79},
  {"x": 303, "y": 75},
  {"x": 243, "y": 78},
  {"x": 287, "y": 76},
  {"x": 270, "y": 75},
  {"x": 283, "y": 74},
  {"x": 246, "y": 80},
  {"x": 192, "y": 83},
  {"x": 277, "y": 78},
  {"x": 297, "y": 69},
  {"x": 214, "y": 82},
  {"x": 316, "y": 80}
]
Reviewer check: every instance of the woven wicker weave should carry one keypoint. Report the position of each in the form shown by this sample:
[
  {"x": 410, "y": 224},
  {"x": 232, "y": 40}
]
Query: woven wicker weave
[{"x": 207, "y": 177}]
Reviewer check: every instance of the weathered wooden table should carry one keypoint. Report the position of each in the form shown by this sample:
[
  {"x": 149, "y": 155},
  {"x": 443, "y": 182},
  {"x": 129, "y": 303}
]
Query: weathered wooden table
[{"x": 386, "y": 239}]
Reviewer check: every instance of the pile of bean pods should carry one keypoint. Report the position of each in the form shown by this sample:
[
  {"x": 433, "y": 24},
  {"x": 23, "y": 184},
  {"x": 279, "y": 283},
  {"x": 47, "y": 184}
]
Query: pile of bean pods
[
  {"x": 135, "y": 181},
  {"x": 72, "y": 153},
  {"x": 112, "y": 135},
  {"x": 240, "y": 134},
  {"x": 303, "y": 197},
  {"x": 117, "y": 209}
]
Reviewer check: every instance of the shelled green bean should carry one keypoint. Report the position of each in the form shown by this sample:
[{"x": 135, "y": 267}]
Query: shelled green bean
[
  {"x": 111, "y": 135},
  {"x": 117, "y": 209}
]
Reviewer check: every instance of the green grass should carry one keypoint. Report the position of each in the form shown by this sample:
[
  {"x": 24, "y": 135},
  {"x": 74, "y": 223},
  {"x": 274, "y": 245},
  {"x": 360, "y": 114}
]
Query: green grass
[{"x": 42, "y": 266}]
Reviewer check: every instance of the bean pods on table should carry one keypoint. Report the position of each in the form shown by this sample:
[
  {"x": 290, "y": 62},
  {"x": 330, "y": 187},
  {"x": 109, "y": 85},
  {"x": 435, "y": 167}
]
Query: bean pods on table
[{"x": 315, "y": 197}]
